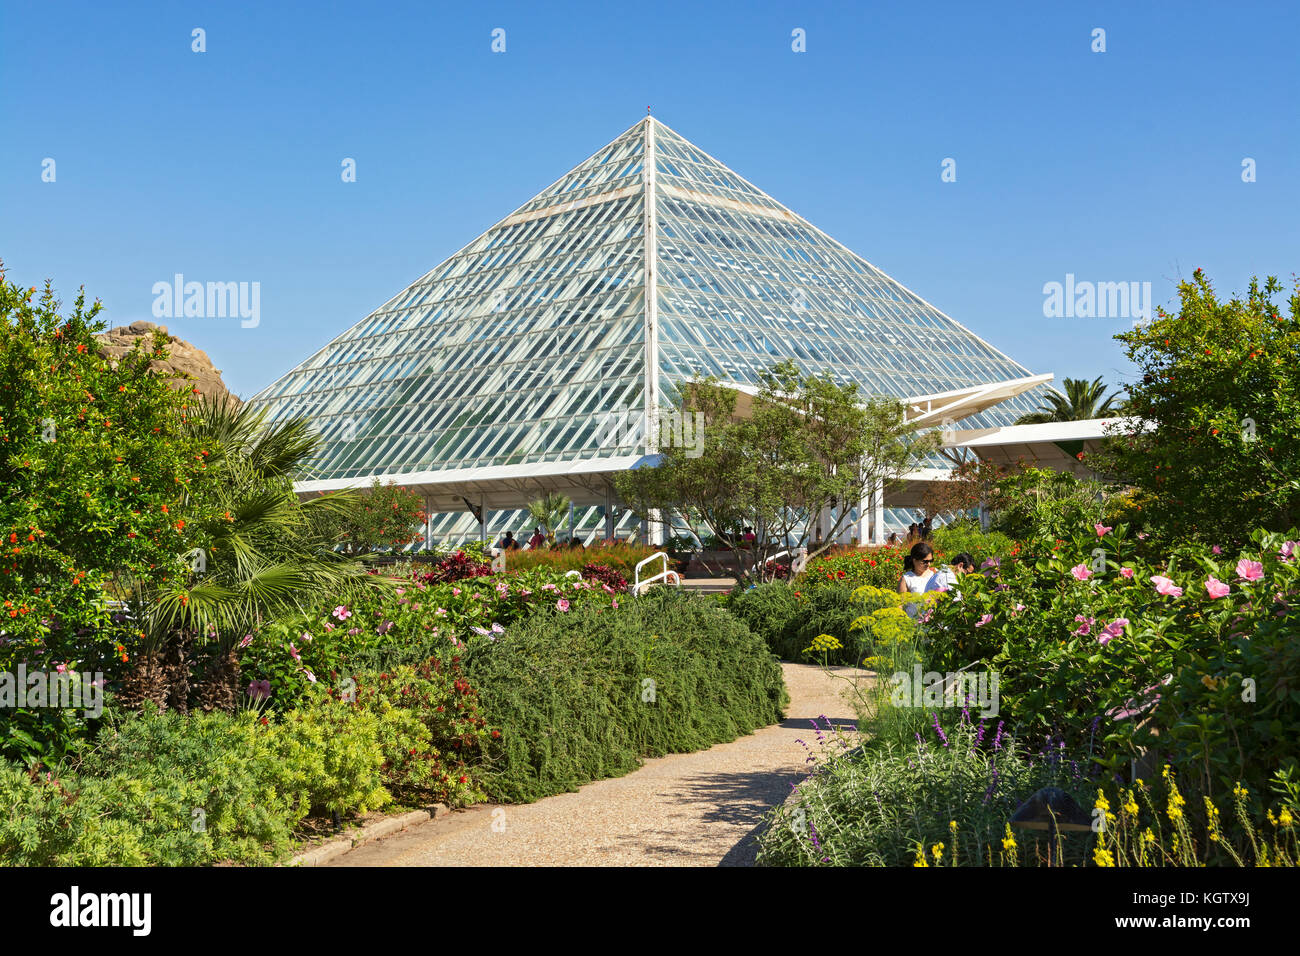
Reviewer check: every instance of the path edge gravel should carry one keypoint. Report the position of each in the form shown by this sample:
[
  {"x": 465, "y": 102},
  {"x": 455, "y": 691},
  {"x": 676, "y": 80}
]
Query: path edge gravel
[{"x": 367, "y": 834}]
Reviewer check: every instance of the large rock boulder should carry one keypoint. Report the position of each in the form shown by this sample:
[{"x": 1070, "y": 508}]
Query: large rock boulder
[{"x": 182, "y": 359}]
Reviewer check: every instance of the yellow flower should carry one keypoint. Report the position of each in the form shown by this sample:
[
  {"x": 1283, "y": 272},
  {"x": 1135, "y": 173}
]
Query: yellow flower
[
  {"x": 1130, "y": 805},
  {"x": 936, "y": 851},
  {"x": 1009, "y": 841},
  {"x": 1103, "y": 857},
  {"x": 823, "y": 643},
  {"x": 920, "y": 856},
  {"x": 1149, "y": 837},
  {"x": 1284, "y": 817},
  {"x": 1240, "y": 792}
]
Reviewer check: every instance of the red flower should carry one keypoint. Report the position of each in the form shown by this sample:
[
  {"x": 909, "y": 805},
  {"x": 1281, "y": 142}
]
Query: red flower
[{"x": 462, "y": 779}]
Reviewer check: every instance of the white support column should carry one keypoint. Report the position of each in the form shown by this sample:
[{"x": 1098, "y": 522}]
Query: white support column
[
  {"x": 651, "y": 392},
  {"x": 878, "y": 513},
  {"x": 483, "y": 519},
  {"x": 824, "y": 522},
  {"x": 609, "y": 513},
  {"x": 656, "y": 528},
  {"x": 864, "y": 517},
  {"x": 428, "y": 523}
]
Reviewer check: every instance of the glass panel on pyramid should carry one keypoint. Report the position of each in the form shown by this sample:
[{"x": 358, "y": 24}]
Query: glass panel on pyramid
[{"x": 526, "y": 351}]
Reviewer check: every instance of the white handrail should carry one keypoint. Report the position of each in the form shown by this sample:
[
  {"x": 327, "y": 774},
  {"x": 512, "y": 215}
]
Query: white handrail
[{"x": 665, "y": 575}]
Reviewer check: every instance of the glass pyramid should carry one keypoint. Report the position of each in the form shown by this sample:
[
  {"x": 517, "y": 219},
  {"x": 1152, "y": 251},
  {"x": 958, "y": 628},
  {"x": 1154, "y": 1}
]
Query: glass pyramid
[{"x": 519, "y": 348}]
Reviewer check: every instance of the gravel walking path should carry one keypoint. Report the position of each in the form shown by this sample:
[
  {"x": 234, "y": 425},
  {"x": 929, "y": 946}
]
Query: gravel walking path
[{"x": 700, "y": 809}]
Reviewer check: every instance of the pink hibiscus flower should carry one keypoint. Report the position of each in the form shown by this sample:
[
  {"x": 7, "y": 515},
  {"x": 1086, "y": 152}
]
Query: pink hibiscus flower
[
  {"x": 1126, "y": 572},
  {"x": 1081, "y": 572},
  {"x": 984, "y": 620},
  {"x": 1112, "y": 630},
  {"x": 1166, "y": 586},
  {"x": 1101, "y": 529},
  {"x": 1249, "y": 570},
  {"x": 342, "y": 613},
  {"x": 1216, "y": 588},
  {"x": 562, "y": 605}
]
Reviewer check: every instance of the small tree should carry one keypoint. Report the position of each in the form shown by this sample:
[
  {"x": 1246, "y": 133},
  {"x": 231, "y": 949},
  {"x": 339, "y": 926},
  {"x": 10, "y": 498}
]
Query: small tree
[
  {"x": 972, "y": 483},
  {"x": 1216, "y": 451},
  {"x": 389, "y": 516},
  {"x": 807, "y": 443},
  {"x": 96, "y": 462}
]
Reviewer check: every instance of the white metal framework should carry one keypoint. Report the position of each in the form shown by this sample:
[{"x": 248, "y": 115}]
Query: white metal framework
[{"x": 536, "y": 357}]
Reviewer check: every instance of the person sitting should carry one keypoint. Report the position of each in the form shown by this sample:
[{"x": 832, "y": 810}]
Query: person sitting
[
  {"x": 919, "y": 565},
  {"x": 946, "y": 578},
  {"x": 538, "y": 539},
  {"x": 575, "y": 542}
]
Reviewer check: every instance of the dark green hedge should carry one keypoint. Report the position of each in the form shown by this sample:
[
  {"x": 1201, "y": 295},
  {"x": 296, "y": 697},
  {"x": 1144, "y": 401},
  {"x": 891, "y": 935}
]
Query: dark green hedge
[{"x": 570, "y": 692}]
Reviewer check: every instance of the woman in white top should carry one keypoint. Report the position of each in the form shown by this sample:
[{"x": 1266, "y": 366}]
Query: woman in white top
[{"x": 920, "y": 564}]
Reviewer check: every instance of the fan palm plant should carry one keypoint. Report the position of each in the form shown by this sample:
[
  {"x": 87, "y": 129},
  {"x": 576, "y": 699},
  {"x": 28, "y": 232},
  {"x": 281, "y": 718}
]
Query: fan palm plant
[
  {"x": 549, "y": 511},
  {"x": 1081, "y": 400},
  {"x": 265, "y": 556}
]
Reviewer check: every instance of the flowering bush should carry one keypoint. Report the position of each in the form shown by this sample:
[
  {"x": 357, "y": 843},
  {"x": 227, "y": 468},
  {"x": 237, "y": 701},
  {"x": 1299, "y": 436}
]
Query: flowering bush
[
  {"x": 1196, "y": 655},
  {"x": 441, "y": 619},
  {"x": 429, "y": 756},
  {"x": 878, "y": 567}
]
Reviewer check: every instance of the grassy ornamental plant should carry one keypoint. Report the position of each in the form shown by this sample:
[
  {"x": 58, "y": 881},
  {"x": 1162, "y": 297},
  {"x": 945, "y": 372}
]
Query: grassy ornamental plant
[{"x": 588, "y": 694}]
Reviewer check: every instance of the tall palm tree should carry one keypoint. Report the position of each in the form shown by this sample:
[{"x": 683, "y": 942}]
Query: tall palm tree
[{"x": 1082, "y": 400}]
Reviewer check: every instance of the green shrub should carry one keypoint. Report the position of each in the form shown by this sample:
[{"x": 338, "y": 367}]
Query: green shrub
[
  {"x": 952, "y": 539},
  {"x": 587, "y": 694},
  {"x": 332, "y": 755},
  {"x": 773, "y": 612},
  {"x": 1094, "y": 641},
  {"x": 827, "y": 611},
  {"x": 59, "y": 820},
  {"x": 157, "y": 790}
]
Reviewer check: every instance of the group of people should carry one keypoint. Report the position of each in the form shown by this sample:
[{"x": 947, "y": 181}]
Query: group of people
[
  {"x": 920, "y": 575},
  {"x": 510, "y": 543},
  {"x": 915, "y": 532}
]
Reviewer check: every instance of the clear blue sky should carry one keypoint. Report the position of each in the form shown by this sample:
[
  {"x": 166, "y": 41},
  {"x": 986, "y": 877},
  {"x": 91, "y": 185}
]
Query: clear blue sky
[{"x": 224, "y": 166}]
